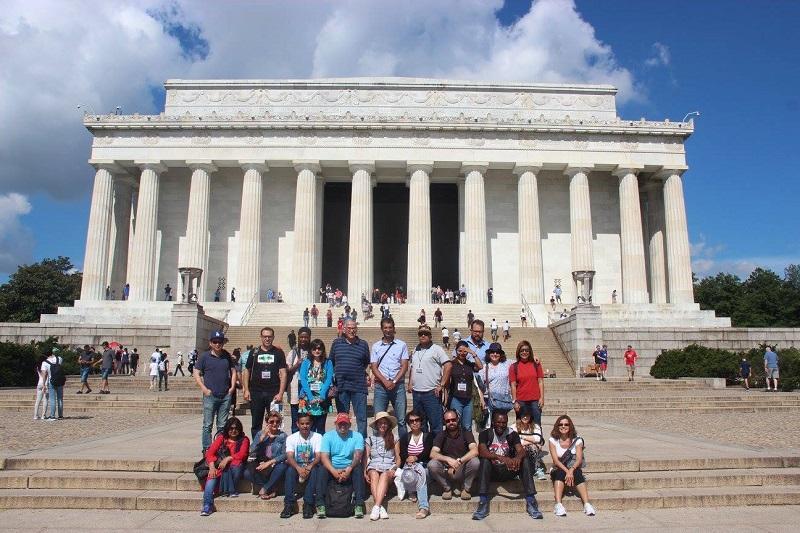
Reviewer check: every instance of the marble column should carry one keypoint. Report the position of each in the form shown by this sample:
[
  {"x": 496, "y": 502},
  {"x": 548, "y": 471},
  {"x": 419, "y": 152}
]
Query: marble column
[
  {"x": 121, "y": 226},
  {"x": 143, "y": 275},
  {"x": 634, "y": 276},
  {"x": 476, "y": 246},
  {"x": 306, "y": 237},
  {"x": 248, "y": 273},
  {"x": 95, "y": 261},
  {"x": 360, "y": 263},
  {"x": 420, "y": 268},
  {"x": 580, "y": 222},
  {"x": 679, "y": 266},
  {"x": 657, "y": 258},
  {"x": 531, "y": 277},
  {"x": 197, "y": 220}
]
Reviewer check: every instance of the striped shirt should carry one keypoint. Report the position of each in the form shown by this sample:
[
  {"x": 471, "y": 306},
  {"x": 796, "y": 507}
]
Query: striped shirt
[{"x": 350, "y": 361}]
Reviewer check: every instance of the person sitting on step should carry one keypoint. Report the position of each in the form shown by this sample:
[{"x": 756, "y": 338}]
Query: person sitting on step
[
  {"x": 566, "y": 451},
  {"x": 226, "y": 458}
]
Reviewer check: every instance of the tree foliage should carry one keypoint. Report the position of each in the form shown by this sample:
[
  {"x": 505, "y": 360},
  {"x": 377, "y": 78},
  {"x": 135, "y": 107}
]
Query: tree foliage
[
  {"x": 39, "y": 288},
  {"x": 764, "y": 299}
]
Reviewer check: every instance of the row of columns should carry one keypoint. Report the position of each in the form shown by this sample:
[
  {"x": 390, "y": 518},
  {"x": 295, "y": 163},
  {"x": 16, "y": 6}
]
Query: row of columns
[{"x": 669, "y": 242}]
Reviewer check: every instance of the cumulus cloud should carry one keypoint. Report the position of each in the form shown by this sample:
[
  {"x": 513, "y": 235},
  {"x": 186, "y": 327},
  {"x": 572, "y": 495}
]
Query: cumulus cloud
[
  {"x": 659, "y": 57},
  {"x": 16, "y": 240},
  {"x": 706, "y": 261},
  {"x": 101, "y": 54}
]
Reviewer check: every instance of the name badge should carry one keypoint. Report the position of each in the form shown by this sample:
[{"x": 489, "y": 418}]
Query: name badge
[
  {"x": 461, "y": 387},
  {"x": 315, "y": 387},
  {"x": 263, "y": 358},
  {"x": 266, "y": 374}
]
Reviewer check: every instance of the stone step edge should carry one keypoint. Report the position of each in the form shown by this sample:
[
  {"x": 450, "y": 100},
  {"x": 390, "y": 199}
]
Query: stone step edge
[
  {"x": 190, "y": 501},
  {"x": 599, "y": 466}
]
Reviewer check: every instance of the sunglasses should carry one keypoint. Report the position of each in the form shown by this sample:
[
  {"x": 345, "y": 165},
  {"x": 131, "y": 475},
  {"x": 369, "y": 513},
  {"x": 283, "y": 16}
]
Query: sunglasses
[
  {"x": 563, "y": 425},
  {"x": 423, "y": 334},
  {"x": 414, "y": 420}
]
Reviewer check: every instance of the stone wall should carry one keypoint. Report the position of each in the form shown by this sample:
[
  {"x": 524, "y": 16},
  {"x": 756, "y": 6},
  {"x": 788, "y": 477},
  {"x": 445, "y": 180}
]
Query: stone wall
[{"x": 143, "y": 338}]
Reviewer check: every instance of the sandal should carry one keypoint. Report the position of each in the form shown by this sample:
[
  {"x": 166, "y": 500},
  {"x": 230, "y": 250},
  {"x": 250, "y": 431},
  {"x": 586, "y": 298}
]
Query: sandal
[
  {"x": 422, "y": 513},
  {"x": 412, "y": 498}
]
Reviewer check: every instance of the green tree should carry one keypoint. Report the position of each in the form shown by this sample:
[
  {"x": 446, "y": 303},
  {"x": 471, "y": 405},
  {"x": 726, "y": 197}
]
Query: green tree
[
  {"x": 764, "y": 300},
  {"x": 722, "y": 293},
  {"x": 39, "y": 288}
]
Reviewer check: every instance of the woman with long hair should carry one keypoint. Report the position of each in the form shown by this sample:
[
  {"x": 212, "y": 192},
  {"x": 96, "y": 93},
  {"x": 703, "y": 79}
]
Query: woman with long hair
[
  {"x": 269, "y": 450},
  {"x": 382, "y": 459},
  {"x": 415, "y": 452},
  {"x": 316, "y": 378},
  {"x": 567, "y": 447},
  {"x": 226, "y": 458},
  {"x": 42, "y": 394},
  {"x": 527, "y": 381}
]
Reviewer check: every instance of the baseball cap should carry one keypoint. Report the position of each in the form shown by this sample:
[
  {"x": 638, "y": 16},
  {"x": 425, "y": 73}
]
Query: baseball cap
[
  {"x": 218, "y": 336},
  {"x": 342, "y": 418}
]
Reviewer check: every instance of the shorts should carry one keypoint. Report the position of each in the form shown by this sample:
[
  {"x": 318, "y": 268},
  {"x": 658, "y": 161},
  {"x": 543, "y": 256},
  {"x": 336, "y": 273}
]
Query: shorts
[
  {"x": 445, "y": 339},
  {"x": 603, "y": 366},
  {"x": 85, "y": 371},
  {"x": 104, "y": 373},
  {"x": 772, "y": 373},
  {"x": 556, "y": 474}
]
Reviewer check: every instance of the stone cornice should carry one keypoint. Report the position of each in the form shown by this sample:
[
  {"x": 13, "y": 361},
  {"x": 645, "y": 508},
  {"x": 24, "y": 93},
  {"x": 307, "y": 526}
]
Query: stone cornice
[
  {"x": 521, "y": 168},
  {"x": 355, "y": 166},
  {"x": 307, "y": 164},
  {"x": 571, "y": 170}
]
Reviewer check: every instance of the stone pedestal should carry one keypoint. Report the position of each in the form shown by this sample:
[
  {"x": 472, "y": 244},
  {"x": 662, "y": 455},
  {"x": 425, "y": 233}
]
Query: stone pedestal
[{"x": 190, "y": 328}]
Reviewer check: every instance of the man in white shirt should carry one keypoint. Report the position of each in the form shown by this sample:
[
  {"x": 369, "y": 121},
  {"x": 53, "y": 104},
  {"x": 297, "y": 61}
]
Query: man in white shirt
[
  {"x": 389, "y": 366},
  {"x": 302, "y": 456}
]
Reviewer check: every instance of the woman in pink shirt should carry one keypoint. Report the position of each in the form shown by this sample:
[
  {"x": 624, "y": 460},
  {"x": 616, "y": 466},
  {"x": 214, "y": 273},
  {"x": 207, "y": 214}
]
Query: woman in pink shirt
[{"x": 226, "y": 458}]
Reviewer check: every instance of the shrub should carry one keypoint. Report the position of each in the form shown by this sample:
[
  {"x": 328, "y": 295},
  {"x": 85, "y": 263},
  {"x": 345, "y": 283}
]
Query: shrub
[
  {"x": 788, "y": 362},
  {"x": 18, "y": 361}
]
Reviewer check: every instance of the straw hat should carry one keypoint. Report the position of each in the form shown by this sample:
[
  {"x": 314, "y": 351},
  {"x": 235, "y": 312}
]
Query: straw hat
[{"x": 383, "y": 414}]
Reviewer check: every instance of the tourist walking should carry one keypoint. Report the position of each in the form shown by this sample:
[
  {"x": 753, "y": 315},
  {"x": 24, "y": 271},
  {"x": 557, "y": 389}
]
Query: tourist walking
[
  {"x": 226, "y": 457},
  {"x": 264, "y": 379},
  {"x": 55, "y": 377},
  {"x": 566, "y": 452},
  {"x": 523, "y": 318},
  {"x": 135, "y": 362},
  {"x": 314, "y": 315},
  {"x": 430, "y": 372},
  {"x": 316, "y": 378},
  {"x": 179, "y": 365},
  {"x": 216, "y": 377},
  {"x": 389, "y": 366},
  {"x": 106, "y": 367},
  {"x": 446, "y": 338},
  {"x": 306, "y": 316},
  {"x": 154, "y": 363},
  {"x": 85, "y": 362},
  {"x": 163, "y": 372},
  {"x": 125, "y": 362},
  {"x": 771, "y": 368},
  {"x": 745, "y": 372},
  {"x": 630, "y": 357},
  {"x": 351, "y": 357},
  {"x": 527, "y": 381}
]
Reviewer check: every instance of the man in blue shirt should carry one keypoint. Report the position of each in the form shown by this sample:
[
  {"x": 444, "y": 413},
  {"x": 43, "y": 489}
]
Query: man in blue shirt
[
  {"x": 350, "y": 358},
  {"x": 771, "y": 367},
  {"x": 340, "y": 455},
  {"x": 475, "y": 340},
  {"x": 216, "y": 377},
  {"x": 389, "y": 364}
]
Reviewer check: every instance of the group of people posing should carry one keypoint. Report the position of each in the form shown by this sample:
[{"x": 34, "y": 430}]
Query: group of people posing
[{"x": 434, "y": 439}]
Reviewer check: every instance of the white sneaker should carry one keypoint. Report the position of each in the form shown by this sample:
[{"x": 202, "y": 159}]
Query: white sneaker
[
  {"x": 559, "y": 510},
  {"x": 36, "y": 418},
  {"x": 588, "y": 510},
  {"x": 375, "y": 514},
  {"x": 384, "y": 514}
]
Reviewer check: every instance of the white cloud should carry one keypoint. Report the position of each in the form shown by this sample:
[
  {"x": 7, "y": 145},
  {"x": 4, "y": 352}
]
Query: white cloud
[
  {"x": 706, "y": 261},
  {"x": 660, "y": 57},
  {"x": 16, "y": 240},
  {"x": 56, "y": 55}
]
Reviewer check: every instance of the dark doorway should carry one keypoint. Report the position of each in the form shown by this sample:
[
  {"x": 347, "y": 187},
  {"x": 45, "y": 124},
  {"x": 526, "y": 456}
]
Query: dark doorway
[
  {"x": 444, "y": 234},
  {"x": 390, "y": 235},
  {"x": 336, "y": 234}
]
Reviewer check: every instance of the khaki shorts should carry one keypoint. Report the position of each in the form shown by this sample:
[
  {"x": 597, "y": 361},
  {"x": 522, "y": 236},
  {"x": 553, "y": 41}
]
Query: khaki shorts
[{"x": 772, "y": 373}]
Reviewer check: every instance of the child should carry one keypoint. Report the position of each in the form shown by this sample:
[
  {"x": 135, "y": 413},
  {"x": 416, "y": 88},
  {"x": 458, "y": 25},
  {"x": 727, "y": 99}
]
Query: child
[
  {"x": 531, "y": 436},
  {"x": 153, "y": 373}
]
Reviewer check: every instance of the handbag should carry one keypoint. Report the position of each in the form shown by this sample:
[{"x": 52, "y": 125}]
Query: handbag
[
  {"x": 568, "y": 459},
  {"x": 201, "y": 469}
]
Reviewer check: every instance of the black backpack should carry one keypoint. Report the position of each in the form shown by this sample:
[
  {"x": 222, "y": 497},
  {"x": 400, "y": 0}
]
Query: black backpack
[
  {"x": 339, "y": 500},
  {"x": 57, "y": 376}
]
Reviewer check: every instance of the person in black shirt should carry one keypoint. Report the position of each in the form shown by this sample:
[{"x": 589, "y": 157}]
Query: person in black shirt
[
  {"x": 460, "y": 382},
  {"x": 264, "y": 378},
  {"x": 503, "y": 458}
]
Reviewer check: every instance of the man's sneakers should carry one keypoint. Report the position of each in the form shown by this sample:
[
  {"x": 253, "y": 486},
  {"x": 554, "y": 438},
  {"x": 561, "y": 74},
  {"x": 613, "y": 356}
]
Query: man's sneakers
[
  {"x": 533, "y": 510},
  {"x": 288, "y": 511},
  {"x": 308, "y": 511},
  {"x": 540, "y": 473},
  {"x": 559, "y": 510},
  {"x": 359, "y": 511},
  {"x": 482, "y": 511},
  {"x": 207, "y": 510},
  {"x": 588, "y": 509},
  {"x": 375, "y": 514},
  {"x": 321, "y": 514}
]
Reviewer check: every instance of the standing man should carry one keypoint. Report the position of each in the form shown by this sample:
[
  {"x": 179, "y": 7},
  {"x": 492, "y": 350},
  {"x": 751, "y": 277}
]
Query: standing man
[
  {"x": 179, "y": 365},
  {"x": 601, "y": 362},
  {"x": 306, "y": 315},
  {"x": 493, "y": 329},
  {"x": 329, "y": 318},
  {"x": 314, "y": 314},
  {"x": 557, "y": 293},
  {"x": 216, "y": 377},
  {"x": 291, "y": 338},
  {"x": 233, "y": 294},
  {"x": 168, "y": 293},
  {"x": 437, "y": 317},
  {"x": 771, "y": 367},
  {"x": 389, "y": 364},
  {"x": 430, "y": 371},
  {"x": 470, "y": 318},
  {"x": 744, "y": 372},
  {"x": 475, "y": 340},
  {"x": 106, "y": 366},
  {"x": 55, "y": 378},
  {"x": 296, "y": 357},
  {"x": 264, "y": 378},
  {"x": 350, "y": 357},
  {"x": 630, "y": 361},
  {"x": 85, "y": 360},
  {"x": 135, "y": 362}
]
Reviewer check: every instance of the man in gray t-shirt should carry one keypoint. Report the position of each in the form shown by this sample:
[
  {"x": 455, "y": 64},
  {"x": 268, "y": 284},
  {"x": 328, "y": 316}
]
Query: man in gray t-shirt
[
  {"x": 430, "y": 370},
  {"x": 106, "y": 366}
]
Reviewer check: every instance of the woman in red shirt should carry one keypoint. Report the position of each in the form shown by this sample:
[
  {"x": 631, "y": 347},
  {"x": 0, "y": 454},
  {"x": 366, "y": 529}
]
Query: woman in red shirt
[
  {"x": 226, "y": 458},
  {"x": 527, "y": 382}
]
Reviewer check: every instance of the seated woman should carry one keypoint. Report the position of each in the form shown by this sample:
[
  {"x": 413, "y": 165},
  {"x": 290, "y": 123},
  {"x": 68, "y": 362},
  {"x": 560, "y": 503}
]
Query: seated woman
[
  {"x": 415, "y": 452},
  {"x": 565, "y": 440},
  {"x": 532, "y": 439},
  {"x": 382, "y": 457},
  {"x": 269, "y": 450},
  {"x": 226, "y": 458}
]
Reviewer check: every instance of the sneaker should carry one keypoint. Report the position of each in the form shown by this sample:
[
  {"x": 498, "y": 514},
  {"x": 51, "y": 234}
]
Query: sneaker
[
  {"x": 359, "y": 511},
  {"x": 588, "y": 509},
  {"x": 206, "y": 510},
  {"x": 384, "y": 513},
  {"x": 540, "y": 473},
  {"x": 79, "y": 392},
  {"x": 532, "y": 508},
  {"x": 234, "y": 494},
  {"x": 466, "y": 496},
  {"x": 559, "y": 510},
  {"x": 375, "y": 514},
  {"x": 288, "y": 511},
  {"x": 321, "y": 512},
  {"x": 456, "y": 492},
  {"x": 447, "y": 495},
  {"x": 89, "y": 391},
  {"x": 308, "y": 511}
]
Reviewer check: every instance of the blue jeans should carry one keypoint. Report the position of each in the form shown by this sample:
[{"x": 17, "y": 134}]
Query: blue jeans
[
  {"x": 428, "y": 403},
  {"x": 214, "y": 407},
  {"x": 227, "y": 481},
  {"x": 359, "y": 402},
  {"x": 294, "y": 418},
  {"x": 85, "y": 371},
  {"x": 535, "y": 410},
  {"x": 56, "y": 397},
  {"x": 464, "y": 409},
  {"x": 293, "y": 479},
  {"x": 397, "y": 397},
  {"x": 266, "y": 479}
]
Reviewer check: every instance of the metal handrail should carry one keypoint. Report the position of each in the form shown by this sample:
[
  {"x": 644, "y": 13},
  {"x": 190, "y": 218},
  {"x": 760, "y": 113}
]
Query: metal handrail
[
  {"x": 251, "y": 307},
  {"x": 528, "y": 310}
]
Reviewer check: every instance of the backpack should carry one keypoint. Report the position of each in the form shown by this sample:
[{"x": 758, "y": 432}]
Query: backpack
[
  {"x": 57, "y": 376},
  {"x": 339, "y": 500}
]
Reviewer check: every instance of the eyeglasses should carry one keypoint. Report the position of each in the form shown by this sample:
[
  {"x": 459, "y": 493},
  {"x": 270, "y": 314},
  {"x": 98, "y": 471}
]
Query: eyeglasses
[{"x": 563, "y": 425}]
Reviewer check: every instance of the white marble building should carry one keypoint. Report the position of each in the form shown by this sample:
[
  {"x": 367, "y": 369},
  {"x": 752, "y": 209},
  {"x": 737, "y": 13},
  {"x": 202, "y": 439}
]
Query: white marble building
[{"x": 232, "y": 179}]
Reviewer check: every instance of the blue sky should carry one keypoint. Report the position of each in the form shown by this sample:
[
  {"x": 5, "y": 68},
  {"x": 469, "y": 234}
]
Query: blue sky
[{"x": 734, "y": 61}]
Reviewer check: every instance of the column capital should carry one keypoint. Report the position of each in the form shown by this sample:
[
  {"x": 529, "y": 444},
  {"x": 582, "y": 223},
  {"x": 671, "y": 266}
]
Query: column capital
[
  {"x": 355, "y": 166},
  {"x": 107, "y": 164},
  {"x": 201, "y": 164},
  {"x": 571, "y": 170},
  {"x": 253, "y": 164},
  {"x": 666, "y": 172},
  {"x": 521, "y": 168},
  {"x": 307, "y": 164},
  {"x": 470, "y": 166},
  {"x": 151, "y": 164},
  {"x": 623, "y": 170},
  {"x": 425, "y": 166}
]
